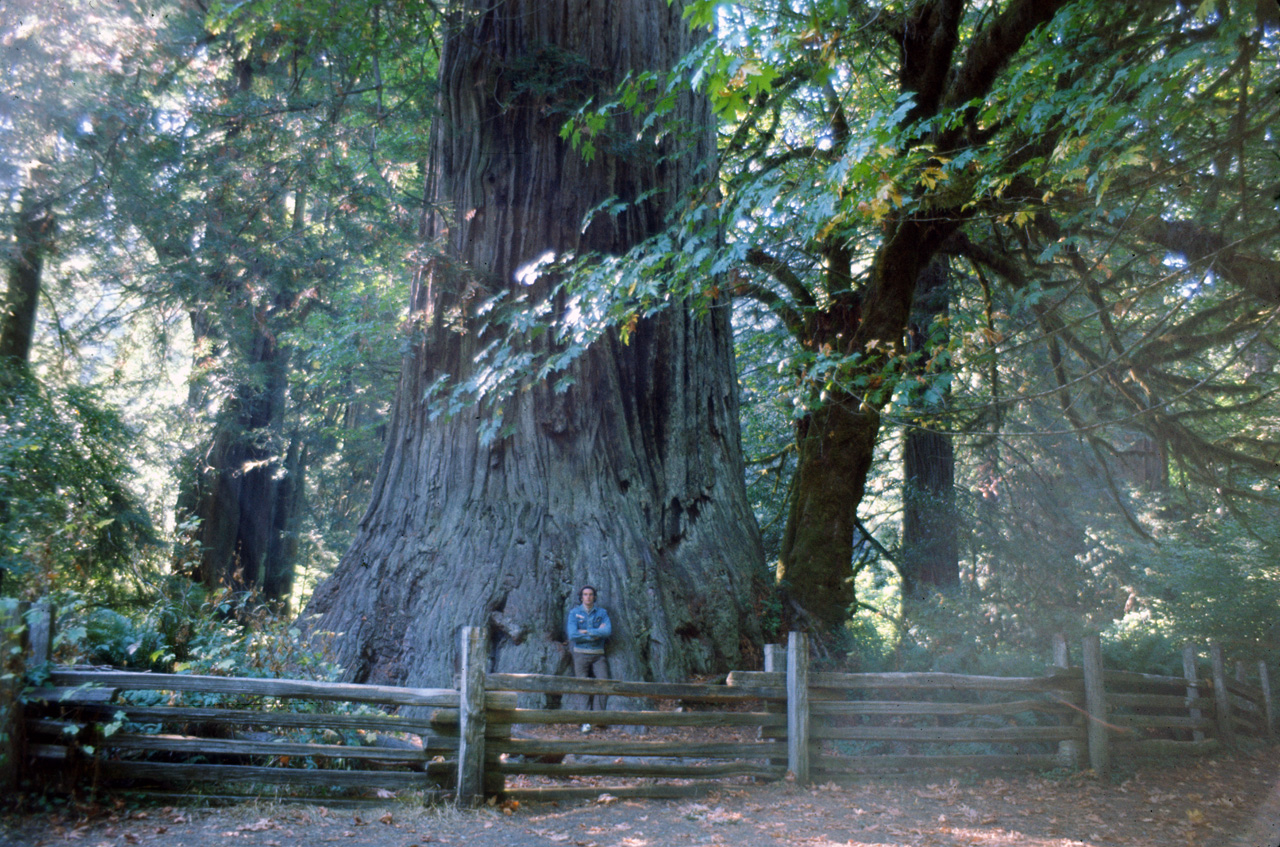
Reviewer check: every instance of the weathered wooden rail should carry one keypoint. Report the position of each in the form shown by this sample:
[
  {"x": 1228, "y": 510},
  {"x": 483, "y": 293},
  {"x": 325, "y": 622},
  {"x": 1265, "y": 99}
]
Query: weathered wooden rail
[
  {"x": 83, "y": 723},
  {"x": 644, "y": 750},
  {"x": 655, "y": 753},
  {"x": 864, "y": 722},
  {"x": 113, "y": 727}
]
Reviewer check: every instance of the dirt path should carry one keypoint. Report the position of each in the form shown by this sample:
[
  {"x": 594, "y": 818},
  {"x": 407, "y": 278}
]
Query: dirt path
[{"x": 1229, "y": 801}]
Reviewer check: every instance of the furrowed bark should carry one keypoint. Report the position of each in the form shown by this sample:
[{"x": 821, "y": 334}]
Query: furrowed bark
[{"x": 630, "y": 478}]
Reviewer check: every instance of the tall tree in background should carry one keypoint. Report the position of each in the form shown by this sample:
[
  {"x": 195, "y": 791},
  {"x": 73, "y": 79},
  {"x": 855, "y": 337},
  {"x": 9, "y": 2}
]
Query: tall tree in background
[
  {"x": 843, "y": 281},
  {"x": 46, "y": 56},
  {"x": 277, "y": 153},
  {"x": 32, "y": 241},
  {"x": 243, "y": 491},
  {"x": 69, "y": 514},
  {"x": 930, "y": 555},
  {"x": 1020, "y": 142},
  {"x": 621, "y": 469},
  {"x": 237, "y": 193}
]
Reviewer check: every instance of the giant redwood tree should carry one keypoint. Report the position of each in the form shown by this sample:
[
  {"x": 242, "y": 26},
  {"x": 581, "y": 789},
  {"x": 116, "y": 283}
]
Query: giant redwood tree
[{"x": 622, "y": 469}]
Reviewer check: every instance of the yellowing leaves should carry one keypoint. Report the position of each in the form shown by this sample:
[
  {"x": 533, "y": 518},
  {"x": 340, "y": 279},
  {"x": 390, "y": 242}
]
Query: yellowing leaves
[
  {"x": 628, "y": 327},
  {"x": 933, "y": 175},
  {"x": 885, "y": 200},
  {"x": 1019, "y": 218},
  {"x": 830, "y": 226}
]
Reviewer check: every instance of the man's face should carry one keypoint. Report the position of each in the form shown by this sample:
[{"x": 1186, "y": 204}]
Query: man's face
[{"x": 588, "y": 597}]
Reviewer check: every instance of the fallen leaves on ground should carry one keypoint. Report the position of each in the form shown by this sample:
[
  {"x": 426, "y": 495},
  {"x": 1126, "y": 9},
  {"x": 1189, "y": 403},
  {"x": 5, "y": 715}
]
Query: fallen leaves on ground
[{"x": 1193, "y": 803}]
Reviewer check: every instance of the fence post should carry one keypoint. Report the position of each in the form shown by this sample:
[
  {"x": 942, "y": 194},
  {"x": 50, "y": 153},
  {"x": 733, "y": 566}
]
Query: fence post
[
  {"x": 1268, "y": 705},
  {"x": 1095, "y": 704},
  {"x": 775, "y": 661},
  {"x": 1068, "y": 751},
  {"x": 471, "y": 717},
  {"x": 798, "y": 706},
  {"x": 10, "y": 685},
  {"x": 1221, "y": 700},
  {"x": 775, "y": 658},
  {"x": 1193, "y": 690}
]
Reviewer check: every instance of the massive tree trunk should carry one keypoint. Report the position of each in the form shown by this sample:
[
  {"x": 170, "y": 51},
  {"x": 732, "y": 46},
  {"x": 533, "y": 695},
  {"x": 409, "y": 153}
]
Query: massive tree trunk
[{"x": 627, "y": 473}]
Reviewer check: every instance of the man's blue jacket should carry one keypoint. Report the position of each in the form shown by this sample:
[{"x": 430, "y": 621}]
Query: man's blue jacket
[{"x": 595, "y": 622}]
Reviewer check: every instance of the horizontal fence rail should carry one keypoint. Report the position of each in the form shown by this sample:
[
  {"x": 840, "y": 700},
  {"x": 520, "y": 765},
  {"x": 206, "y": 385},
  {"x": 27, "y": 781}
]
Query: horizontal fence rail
[
  {"x": 655, "y": 756},
  {"x": 121, "y": 727},
  {"x": 689, "y": 692},
  {"x": 84, "y": 722},
  {"x": 886, "y": 721},
  {"x": 252, "y": 686}
]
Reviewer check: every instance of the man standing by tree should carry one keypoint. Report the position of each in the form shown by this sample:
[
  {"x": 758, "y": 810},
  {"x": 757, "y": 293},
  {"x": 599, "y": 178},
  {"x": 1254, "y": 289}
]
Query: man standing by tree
[{"x": 588, "y": 629}]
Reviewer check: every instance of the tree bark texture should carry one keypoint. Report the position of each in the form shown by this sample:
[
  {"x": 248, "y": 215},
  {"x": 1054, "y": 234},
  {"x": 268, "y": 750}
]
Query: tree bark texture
[
  {"x": 631, "y": 478},
  {"x": 835, "y": 446},
  {"x": 246, "y": 489},
  {"x": 930, "y": 534}
]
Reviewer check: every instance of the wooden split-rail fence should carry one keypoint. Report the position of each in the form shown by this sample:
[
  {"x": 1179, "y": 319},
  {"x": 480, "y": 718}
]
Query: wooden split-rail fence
[{"x": 108, "y": 728}]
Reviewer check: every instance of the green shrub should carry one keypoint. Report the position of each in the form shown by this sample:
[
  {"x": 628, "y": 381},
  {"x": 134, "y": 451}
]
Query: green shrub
[
  {"x": 868, "y": 650},
  {"x": 1136, "y": 645},
  {"x": 184, "y": 630},
  {"x": 68, "y": 518}
]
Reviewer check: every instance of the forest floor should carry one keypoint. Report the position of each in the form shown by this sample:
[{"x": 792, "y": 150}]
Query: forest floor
[{"x": 1231, "y": 800}]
